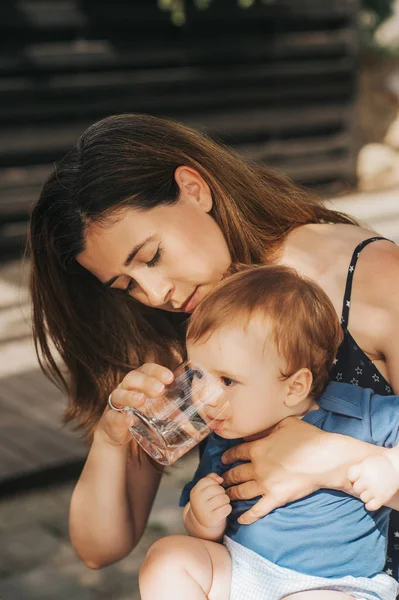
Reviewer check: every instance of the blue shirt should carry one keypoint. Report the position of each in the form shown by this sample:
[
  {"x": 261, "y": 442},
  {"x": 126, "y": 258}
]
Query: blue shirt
[{"x": 328, "y": 533}]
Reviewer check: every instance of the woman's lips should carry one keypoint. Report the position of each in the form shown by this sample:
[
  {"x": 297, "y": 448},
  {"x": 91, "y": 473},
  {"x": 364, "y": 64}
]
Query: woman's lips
[{"x": 190, "y": 303}]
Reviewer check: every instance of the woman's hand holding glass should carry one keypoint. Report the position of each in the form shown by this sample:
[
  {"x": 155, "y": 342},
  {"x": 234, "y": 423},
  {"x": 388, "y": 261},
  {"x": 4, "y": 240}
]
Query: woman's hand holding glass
[
  {"x": 166, "y": 413},
  {"x": 149, "y": 380}
]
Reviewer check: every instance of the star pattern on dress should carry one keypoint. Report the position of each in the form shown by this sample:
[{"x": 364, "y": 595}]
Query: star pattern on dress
[{"x": 356, "y": 368}]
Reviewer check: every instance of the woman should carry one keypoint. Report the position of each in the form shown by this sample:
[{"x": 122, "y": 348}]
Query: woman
[{"x": 134, "y": 227}]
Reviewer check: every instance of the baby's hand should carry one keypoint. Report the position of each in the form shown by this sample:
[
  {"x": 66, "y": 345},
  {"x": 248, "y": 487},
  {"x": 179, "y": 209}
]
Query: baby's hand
[
  {"x": 209, "y": 502},
  {"x": 376, "y": 479}
]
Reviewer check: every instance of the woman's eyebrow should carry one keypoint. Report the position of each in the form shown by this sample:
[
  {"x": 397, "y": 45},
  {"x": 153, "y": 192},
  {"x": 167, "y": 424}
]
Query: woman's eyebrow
[{"x": 130, "y": 257}]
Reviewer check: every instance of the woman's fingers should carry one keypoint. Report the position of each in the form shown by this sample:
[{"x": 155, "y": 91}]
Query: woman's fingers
[
  {"x": 239, "y": 474},
  {"x": 245, "y": 491},
  {"x": 121, "y": 398},
  {"x": 240, "y": 452},
  {"x": 149, "y": 380},
  {"x": 263, "y": 507},
  {"x": 158, "y": 372},
  {"x": 142, "y": 382}
]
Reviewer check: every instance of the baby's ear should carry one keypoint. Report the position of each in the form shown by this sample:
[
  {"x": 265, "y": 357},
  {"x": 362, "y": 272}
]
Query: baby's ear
[{"x": 299, "y": 386}]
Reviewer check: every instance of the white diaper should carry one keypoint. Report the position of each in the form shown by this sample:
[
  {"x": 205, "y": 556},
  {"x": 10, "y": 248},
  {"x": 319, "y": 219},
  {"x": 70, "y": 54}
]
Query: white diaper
[{"x": 256, "y": 578}]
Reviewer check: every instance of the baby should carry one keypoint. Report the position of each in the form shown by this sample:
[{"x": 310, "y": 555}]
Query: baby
[{"x": 270, "y": 337}]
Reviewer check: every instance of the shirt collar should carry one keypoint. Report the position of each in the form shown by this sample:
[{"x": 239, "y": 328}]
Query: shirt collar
[{"x": 343, "y": 399}]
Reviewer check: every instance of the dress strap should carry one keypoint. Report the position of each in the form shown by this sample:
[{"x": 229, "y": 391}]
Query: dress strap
[{"x": 351, "y": 270}]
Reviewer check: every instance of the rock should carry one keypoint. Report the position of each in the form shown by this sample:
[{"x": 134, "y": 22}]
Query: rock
[{"x": 377, "y": 167}]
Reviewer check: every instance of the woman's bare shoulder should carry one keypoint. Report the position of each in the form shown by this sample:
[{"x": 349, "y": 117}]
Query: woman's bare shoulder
[
  {"x": 374, "y": 312},
  {"x": 380, "y": 261},
  {"x": 379, "y": 284}
]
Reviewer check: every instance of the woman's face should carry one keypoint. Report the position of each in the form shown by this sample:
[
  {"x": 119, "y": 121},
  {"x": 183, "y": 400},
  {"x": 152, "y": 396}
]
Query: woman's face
[{"x": 169, "y": 257}]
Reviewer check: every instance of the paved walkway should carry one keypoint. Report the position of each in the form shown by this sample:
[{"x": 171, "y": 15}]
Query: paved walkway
[{"x": 37, "y": 561}]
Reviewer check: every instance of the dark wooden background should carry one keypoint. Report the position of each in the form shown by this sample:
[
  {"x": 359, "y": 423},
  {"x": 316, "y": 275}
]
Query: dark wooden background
[{"x": 276, "y": 81}]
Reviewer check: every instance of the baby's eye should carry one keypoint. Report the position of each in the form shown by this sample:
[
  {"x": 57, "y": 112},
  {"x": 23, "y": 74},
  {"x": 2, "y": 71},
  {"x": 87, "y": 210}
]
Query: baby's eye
[
  {"x": 197, "y": 373},
  {"x": 227, "y": 381}
]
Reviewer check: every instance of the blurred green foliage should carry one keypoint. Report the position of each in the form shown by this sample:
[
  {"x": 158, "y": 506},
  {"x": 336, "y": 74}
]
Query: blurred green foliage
[
  {"x": 373, "y": 13},
  {"x": 382, "y": 9}
]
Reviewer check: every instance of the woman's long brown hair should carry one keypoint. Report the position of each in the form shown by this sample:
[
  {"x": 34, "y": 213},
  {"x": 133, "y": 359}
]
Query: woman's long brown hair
[{"x": 130, "y": 160}]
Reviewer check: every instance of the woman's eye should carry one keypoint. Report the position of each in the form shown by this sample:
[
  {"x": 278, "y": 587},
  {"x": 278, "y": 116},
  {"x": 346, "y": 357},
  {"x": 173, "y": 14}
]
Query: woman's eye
[
  {"x": 130, "y": 287},
  {"x": 156, "y": 258},
  {"x": 227, "y": 381}
]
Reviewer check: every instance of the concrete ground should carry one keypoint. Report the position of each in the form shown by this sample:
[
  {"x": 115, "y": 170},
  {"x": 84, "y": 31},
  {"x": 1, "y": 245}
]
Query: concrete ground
[{"x": 37, "y": 561}]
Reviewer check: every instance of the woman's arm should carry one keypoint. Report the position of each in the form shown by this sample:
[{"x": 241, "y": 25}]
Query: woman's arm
[
  {"x": 293, "y": 461},
  {"x": 111, "y": 503},
  {"x": 297, "y": 459},
  {"x": 114, "y": 495}
]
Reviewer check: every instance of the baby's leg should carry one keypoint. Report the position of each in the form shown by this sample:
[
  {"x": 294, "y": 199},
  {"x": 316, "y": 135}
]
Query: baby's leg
[
  {"x": 319, "y": 595},
  {"x": 181, "y": 567}
]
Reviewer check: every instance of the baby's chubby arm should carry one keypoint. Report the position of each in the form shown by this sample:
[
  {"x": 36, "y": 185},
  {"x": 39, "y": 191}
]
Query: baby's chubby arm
[
  {"x": 205, "y": 515},
  {"x": 376, "y": 480}
]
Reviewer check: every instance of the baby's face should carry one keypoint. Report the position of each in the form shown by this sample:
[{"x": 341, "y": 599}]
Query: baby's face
[{"x": 249, "y": 372}]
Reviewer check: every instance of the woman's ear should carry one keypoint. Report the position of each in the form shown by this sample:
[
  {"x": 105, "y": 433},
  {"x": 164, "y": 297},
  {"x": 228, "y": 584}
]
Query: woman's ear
[
  {"x": 298, "y": 387},
  {"x": 193, "y": 187}
]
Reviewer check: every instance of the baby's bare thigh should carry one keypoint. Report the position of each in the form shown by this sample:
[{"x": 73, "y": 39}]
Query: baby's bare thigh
[
  {"x": 319, "y": 595},
  {"x": 183, "y": 565},
  {"x": 221, "y": 567}
]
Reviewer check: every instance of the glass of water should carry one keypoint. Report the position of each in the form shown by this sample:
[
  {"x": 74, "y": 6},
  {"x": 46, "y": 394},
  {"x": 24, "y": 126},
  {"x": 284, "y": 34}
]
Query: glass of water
[{"x": 168, "y": 426}]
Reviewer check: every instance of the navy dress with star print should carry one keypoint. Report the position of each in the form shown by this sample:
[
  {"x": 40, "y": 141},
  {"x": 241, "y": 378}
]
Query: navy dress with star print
[{"x": 353, "y": 366}]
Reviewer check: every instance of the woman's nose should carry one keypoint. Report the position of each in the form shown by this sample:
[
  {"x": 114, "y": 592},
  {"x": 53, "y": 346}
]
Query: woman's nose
[{"x": 157, "y": 289}]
